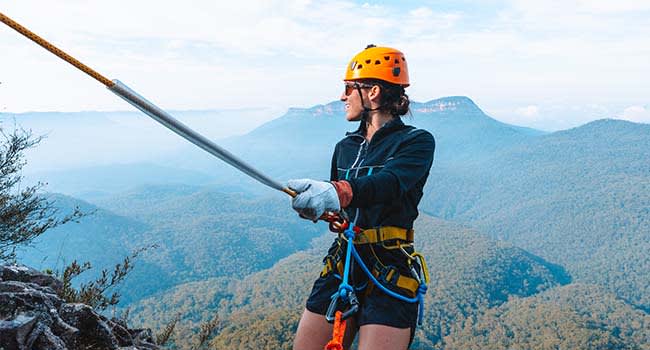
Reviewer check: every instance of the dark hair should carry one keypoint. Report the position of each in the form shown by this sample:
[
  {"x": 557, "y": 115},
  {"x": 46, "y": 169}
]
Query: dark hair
[{"x": 393, "y": 98}]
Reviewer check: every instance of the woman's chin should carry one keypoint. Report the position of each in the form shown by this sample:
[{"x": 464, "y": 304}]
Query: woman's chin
[{"x": 352, "y": 118}]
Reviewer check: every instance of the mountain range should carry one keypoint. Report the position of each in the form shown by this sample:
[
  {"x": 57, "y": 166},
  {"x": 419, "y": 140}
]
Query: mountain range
[
  {"x": 193, "y": 233},
  {"x": 524, "y": 212}
]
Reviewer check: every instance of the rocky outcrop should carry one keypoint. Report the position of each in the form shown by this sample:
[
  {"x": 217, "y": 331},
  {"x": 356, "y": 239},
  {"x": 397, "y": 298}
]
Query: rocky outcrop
[{"x": 32, "y": 316}]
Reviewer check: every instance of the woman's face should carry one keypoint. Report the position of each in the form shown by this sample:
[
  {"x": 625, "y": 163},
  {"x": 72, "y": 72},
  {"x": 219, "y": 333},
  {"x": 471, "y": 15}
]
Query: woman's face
[{"x": 352, "y": 100}]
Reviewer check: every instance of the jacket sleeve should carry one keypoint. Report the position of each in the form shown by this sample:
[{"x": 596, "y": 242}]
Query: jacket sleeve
[
  {"x": 334, "y": 173},
  {"x": 409, "y": 164}
]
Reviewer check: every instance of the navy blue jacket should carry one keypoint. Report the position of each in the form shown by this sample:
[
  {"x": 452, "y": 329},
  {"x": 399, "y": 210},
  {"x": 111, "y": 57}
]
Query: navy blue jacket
[{"x": 386, "y": 174}]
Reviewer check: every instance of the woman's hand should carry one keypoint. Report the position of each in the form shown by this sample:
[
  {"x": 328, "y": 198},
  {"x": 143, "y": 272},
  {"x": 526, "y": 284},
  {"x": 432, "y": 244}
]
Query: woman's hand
[{"x": 314, "y": 198}]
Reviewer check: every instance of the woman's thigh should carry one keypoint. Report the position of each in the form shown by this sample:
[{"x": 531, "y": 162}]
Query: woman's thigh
[
  {"x": 380, "y": 337},
  {"x": 314, "y": 332}
]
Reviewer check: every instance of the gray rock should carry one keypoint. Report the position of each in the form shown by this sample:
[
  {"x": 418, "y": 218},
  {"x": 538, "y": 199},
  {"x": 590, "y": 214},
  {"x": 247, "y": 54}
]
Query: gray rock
[
  {"x": 94, "y": 332},
  {"x": 48, "y": 341},
  {"x": 15, "y": 332},
  {"x": 23, "y": 273},
  {"x": 33, "y": 316}
]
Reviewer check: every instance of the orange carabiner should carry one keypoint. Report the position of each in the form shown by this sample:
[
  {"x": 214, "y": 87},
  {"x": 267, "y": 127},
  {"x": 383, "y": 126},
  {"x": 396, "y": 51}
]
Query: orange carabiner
[{"x": 337, "y": 224}]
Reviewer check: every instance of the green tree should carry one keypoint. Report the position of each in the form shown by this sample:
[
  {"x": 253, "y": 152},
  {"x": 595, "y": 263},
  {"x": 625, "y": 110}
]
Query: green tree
[{"x": 25, "y": 212}]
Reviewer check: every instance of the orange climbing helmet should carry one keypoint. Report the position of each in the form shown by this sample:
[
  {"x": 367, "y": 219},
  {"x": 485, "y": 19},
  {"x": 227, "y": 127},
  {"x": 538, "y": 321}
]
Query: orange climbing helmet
[{"x": 382, "y": 63}]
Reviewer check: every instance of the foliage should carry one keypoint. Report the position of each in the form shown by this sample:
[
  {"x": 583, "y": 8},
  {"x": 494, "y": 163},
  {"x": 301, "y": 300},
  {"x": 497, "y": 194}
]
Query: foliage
[
  {"x": 24, "y": 213},
  {"x": 218, "y": 234},
  {"x": 206, "y": 331},
  {"x": 470, "y": 273},
  {"x": 201, "y": 233},
  {"x": 579, "y": 197},
  {"x": 166, "y": 333},
  {"x": 94, "y": 293},
  {"x": 571, "y": 317},
  {"x": 196, "y": 303},
  {"x": 265, "y": 329}
]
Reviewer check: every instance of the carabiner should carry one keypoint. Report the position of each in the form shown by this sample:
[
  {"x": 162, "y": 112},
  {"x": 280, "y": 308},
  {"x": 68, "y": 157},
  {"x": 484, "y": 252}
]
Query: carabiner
[
  {"x": 352, "y": 301},
  {"x": 338, "y": 222}
]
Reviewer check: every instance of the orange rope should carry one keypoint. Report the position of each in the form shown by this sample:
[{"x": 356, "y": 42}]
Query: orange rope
[
  {"x": 337, "y": 334},
  {"x": 53, "y": 49}
]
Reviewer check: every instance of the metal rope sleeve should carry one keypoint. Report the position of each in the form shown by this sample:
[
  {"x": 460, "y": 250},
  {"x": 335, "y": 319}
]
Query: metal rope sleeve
[
  {"x": 182, "y": 130},
  {"x": 55, "y": 50}
]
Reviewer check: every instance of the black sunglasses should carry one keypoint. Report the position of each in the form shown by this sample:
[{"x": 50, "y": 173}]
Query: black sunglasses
[{"x": 349, "y": 87}]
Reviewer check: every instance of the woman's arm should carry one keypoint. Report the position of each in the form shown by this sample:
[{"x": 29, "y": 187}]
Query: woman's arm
[{"x": 410, "y": 163}]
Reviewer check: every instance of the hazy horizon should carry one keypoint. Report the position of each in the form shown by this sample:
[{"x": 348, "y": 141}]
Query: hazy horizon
[{"x": 547, "y": 65}]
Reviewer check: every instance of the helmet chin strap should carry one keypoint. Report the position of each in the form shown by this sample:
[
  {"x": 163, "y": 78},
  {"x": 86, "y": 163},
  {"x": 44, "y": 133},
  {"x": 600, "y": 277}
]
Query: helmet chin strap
[{"x": 365, "y": 115}]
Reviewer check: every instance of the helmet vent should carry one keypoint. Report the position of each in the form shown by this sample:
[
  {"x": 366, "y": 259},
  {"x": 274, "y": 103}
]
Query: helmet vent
[
  {"x": 387, "y": 58},
  {"x": 396, "y": 61},
  {"x": 368, "y": 61},
  {"x": 359, "y": 66},
  {"x": 403, "y": 59},
  {"x": 377, "y": 62}
]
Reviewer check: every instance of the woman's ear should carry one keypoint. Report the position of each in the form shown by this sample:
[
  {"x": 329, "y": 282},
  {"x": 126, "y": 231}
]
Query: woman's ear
[{"x": 374, "y": 92}]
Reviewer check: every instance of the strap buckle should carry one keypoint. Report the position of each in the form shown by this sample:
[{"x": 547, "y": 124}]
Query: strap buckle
[{"x": 387, "y": 274}]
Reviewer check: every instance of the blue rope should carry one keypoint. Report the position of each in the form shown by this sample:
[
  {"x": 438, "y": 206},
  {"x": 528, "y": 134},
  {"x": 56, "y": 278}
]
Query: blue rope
[
  {"x": 422, "y": 288},
  {"x": 345, "y": 287}
]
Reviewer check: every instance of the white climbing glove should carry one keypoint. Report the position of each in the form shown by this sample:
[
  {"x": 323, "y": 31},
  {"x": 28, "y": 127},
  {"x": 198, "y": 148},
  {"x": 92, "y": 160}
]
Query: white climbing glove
[{"x": 314, "y": 198}]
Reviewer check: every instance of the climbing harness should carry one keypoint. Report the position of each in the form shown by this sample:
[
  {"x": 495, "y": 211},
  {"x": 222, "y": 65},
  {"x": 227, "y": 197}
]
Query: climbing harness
[
  {"x": 152, "y": 110},
  {"x": 344, "y": 301},
  {"x": 379, "y": 275}
]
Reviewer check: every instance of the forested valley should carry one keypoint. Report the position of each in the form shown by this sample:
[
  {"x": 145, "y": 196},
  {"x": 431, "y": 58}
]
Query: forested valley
[{"x": 534, "y": 240}]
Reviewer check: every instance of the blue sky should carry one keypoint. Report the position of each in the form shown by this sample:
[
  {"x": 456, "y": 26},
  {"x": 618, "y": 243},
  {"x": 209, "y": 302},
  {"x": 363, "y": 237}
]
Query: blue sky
[{"x": 545, "y": 64}]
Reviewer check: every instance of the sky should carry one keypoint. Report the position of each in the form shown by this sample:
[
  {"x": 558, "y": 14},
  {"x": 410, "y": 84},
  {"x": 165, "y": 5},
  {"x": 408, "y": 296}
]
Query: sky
[{"x": 546, "y": 64}]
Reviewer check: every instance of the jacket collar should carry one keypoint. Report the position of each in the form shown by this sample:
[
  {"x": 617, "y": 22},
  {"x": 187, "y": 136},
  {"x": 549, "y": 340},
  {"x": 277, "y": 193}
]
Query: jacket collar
[{"x": 393, "y": 125}]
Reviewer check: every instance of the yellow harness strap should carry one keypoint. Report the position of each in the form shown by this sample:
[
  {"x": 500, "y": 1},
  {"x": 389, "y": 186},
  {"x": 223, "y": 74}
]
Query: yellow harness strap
[
  {"x": 329, "y": 266},
  {"x": 404, "y": 282},
  {"x": 382, "y": 234}
]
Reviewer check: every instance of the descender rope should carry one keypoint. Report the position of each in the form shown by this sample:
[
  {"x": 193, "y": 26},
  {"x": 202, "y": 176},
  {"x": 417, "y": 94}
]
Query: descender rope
[
  {"x": 164, "y": 118},
  {"x": 153, "y": 111}
]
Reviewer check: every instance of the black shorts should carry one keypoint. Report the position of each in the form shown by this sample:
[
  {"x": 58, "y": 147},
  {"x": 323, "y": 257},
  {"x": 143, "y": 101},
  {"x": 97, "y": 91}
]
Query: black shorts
[{"x": 375, "y": 306}]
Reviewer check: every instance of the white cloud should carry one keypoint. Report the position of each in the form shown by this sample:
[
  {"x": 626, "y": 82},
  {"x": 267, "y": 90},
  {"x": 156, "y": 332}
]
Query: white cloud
[
  {"x": 529, "y": 112},
  {"x": 638, "y": 114},
  {"x": 421, "y": 12},
  {"x": 218, "y": 54},
  {"x": 608, "y": 6}
]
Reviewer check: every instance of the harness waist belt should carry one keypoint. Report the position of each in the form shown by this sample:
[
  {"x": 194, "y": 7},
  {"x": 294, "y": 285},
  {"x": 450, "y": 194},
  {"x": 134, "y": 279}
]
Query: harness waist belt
[
  {"x": 391, "y": 277},
  {"x": 385, "y": 233}
]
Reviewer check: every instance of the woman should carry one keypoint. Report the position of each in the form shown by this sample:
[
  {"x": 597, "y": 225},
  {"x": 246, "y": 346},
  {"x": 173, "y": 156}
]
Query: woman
[{"x": 378, "y": 173}]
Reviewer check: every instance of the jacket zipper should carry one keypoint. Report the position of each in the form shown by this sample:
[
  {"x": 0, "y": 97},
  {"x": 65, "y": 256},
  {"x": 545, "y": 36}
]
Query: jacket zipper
[{"x": 362, "y": 146}]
